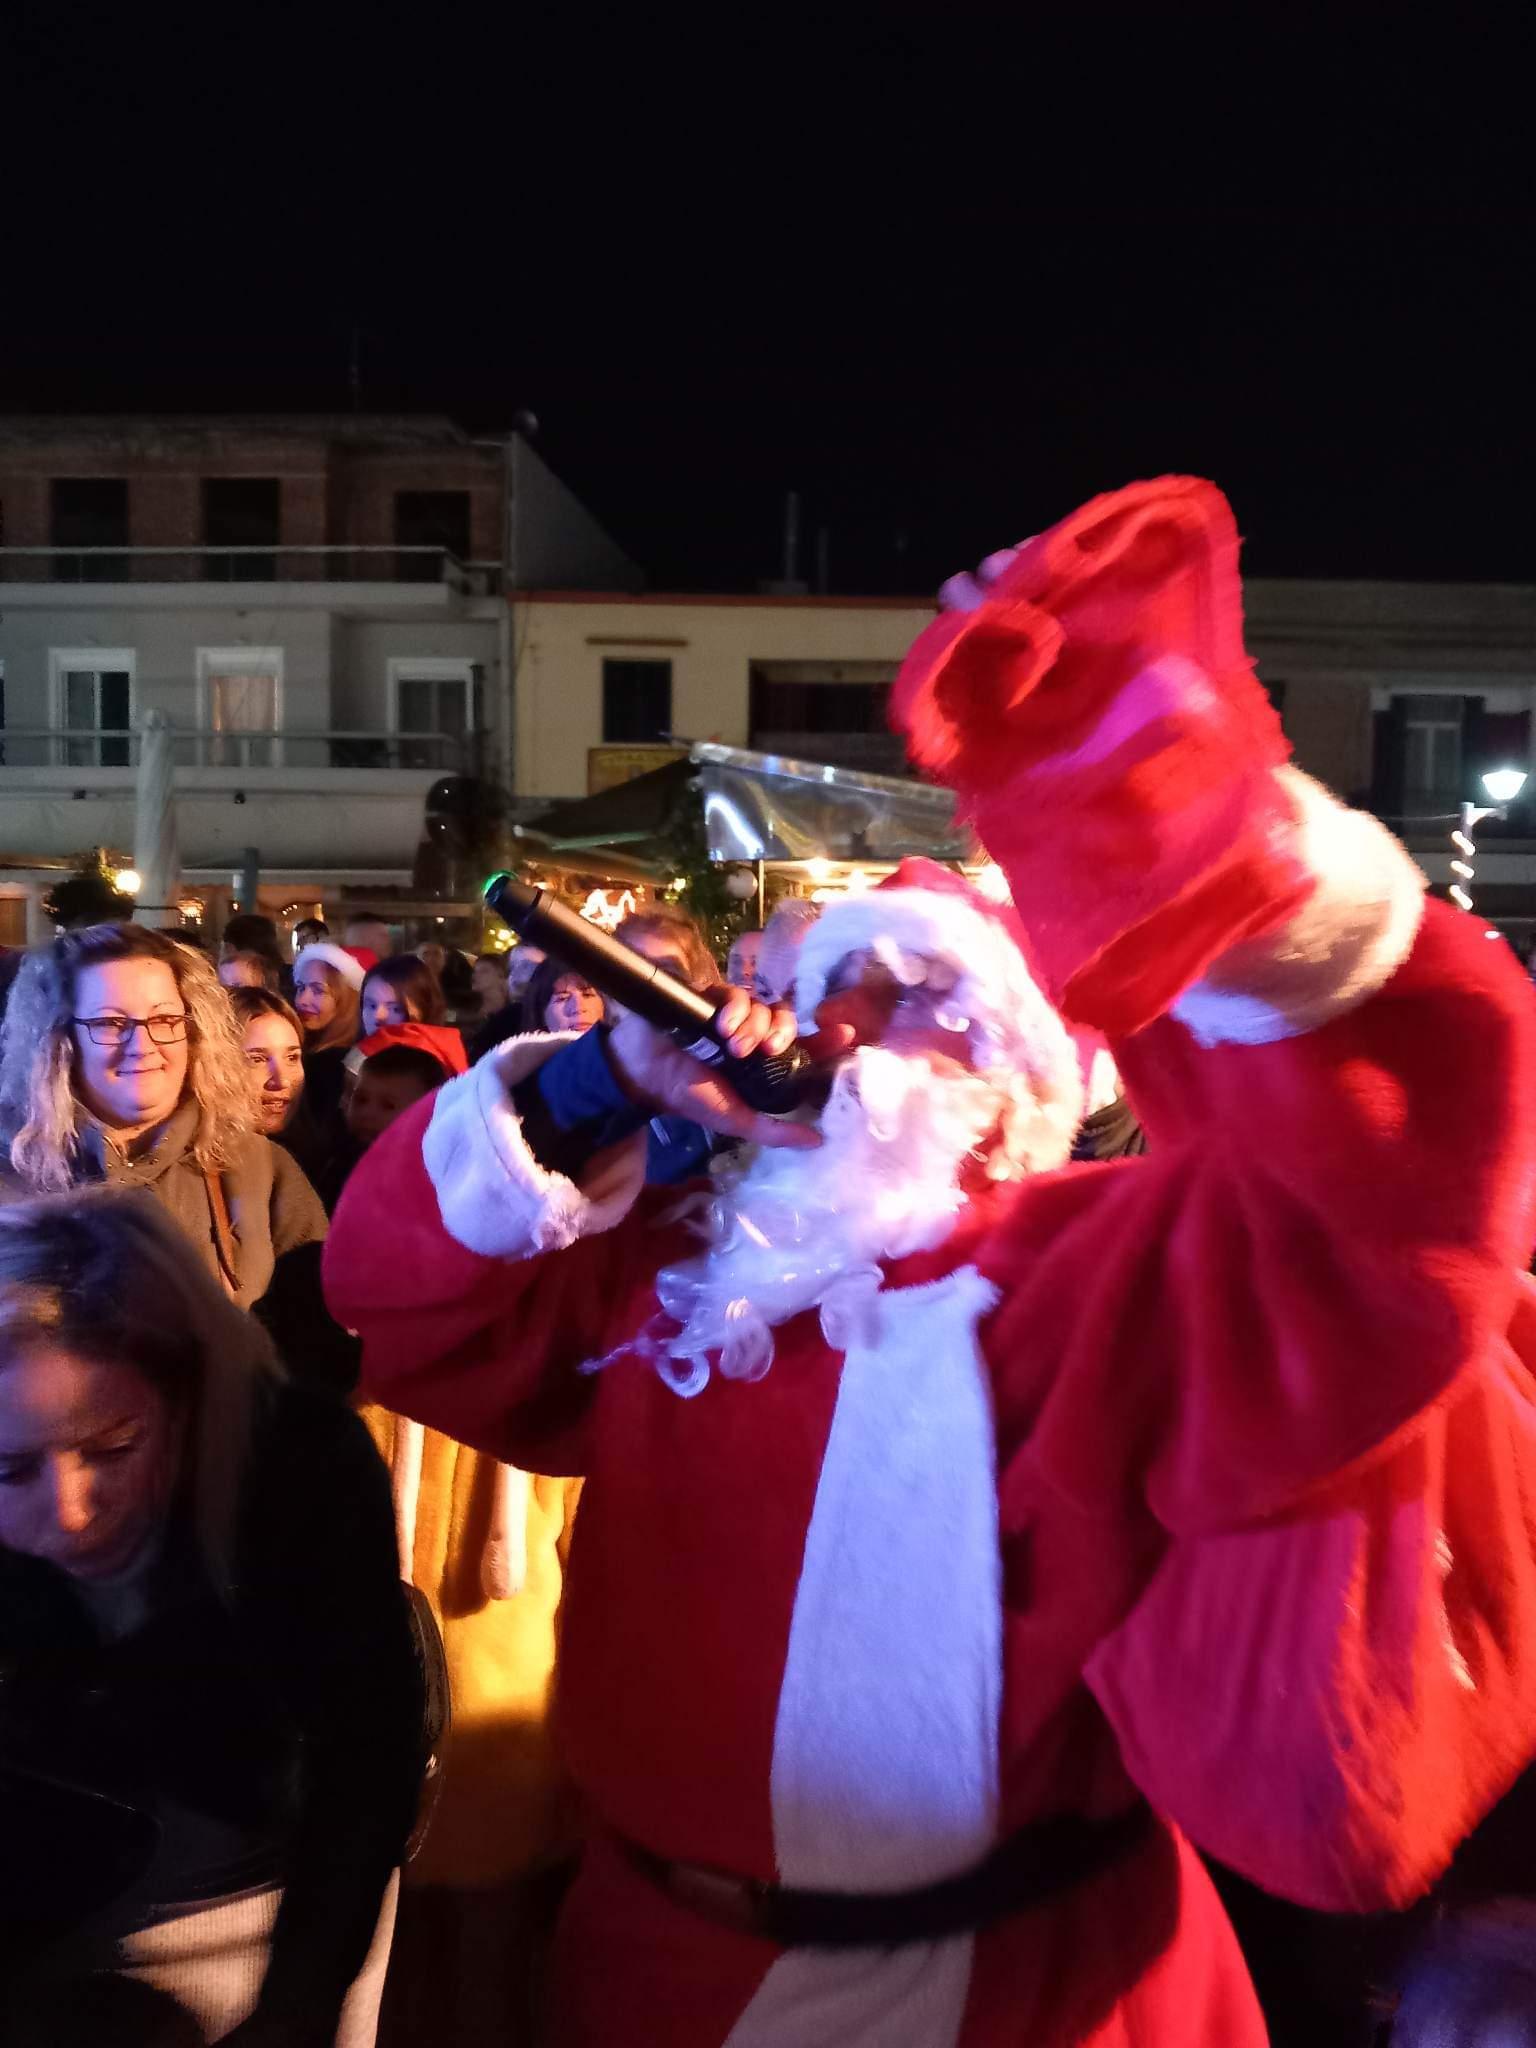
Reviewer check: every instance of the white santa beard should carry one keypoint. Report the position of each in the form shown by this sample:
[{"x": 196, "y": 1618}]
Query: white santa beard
[{"x": 796, "y": 1227}]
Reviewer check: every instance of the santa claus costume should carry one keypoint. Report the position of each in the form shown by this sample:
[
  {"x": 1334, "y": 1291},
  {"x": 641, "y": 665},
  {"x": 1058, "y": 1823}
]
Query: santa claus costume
[{"x": 957, "y": 1547}]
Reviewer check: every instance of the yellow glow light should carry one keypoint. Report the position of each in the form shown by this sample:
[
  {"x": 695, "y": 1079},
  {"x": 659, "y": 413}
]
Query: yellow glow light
[{"x": 607, "y": 911}]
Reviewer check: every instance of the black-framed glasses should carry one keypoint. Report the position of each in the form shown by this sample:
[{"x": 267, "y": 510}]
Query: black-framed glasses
[{"x": 118, "y": 1030}]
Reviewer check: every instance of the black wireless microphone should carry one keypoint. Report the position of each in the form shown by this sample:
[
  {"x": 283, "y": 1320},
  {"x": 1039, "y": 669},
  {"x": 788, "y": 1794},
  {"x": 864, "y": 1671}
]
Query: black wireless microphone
[{"x": 774, "y": 1084}]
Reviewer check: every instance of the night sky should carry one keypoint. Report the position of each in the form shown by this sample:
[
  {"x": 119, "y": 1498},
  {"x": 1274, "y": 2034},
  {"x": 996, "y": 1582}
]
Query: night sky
[{"x": 944, "y": 271}]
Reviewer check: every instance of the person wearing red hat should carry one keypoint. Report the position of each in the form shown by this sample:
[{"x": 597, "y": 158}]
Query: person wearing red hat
[{"x": 968, "y": 1534}]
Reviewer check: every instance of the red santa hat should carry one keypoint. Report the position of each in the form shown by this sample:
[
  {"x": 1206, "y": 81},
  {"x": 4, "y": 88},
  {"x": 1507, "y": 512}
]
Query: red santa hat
[
  {"x": 342, "y": 960},
  {"x": 924, "y": 916}
]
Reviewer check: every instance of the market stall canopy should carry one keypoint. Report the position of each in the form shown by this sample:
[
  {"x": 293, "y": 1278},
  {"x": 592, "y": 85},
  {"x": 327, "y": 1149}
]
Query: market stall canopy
[
  {"x": 631, "y": 820},
  {"x": 756, "y": 807},
  {"x": 768, "y": 807}
]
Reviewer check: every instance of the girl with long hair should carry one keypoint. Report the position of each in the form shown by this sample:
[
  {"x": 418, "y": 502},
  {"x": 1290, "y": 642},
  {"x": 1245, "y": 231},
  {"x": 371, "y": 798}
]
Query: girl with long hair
[
  {"x": 403, "y": 1004},
  {"x": 402, "y": 990},
  {"x": 327, "y": 982},
  {"x": 212, "y": 1716},
  {"x": 272, "y": 1040}
]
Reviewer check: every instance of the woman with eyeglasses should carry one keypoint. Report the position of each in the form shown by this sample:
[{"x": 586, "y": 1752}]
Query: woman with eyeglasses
[{"x": 121, "y": 1064}]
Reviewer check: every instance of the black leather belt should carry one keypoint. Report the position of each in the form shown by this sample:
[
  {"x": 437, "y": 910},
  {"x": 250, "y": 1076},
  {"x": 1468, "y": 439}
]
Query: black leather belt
[{"x": 1033, "y": 1865}]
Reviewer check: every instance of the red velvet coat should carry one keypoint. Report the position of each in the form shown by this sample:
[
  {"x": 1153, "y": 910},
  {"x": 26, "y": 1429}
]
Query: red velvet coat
[{"x": 1211, "y": 1473}]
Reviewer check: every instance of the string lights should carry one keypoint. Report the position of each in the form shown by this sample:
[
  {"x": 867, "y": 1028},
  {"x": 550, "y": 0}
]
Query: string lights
[{"x": 1503, "y": 785}]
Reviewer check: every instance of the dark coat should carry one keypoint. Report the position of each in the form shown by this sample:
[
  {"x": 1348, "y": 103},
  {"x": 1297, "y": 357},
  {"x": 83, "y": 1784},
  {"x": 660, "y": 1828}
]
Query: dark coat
[{"x": 287, "y": 1714}]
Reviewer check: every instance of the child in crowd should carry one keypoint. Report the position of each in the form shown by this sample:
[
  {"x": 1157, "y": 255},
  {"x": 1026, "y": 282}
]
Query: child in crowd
[{"x": 388, "y": 1082}]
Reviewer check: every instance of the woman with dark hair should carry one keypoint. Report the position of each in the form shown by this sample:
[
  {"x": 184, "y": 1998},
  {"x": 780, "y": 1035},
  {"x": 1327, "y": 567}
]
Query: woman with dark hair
[
  {"x": 211, "y": 1723},
  {"x": 272, "y": 1039},
  {"x": 558, "y": 1000},
  {"x": 403, "y": 1003},
  {"x": 402, "y": 990}
]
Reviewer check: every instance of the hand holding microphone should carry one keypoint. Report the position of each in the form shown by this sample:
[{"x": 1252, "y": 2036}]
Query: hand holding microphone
[{"x": 769, "y": 1079}]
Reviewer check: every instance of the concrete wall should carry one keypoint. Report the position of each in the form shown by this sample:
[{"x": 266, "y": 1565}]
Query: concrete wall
[
  {"x": 364, "y": 648},
  {"x": 1327, "y": 719},
  {"x": 165, "y": 646},
  {"x": 711, "y": 644},
  {"x": 325, "y": 819},
  {"x": 1345, "y": 648},
  {"x": 559, "y": 545},
  {"x": 335, "y": 668}
]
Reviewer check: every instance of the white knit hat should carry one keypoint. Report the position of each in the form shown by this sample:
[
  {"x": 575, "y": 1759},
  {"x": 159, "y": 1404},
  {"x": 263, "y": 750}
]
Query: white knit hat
[{"x": 350, "y": 970}]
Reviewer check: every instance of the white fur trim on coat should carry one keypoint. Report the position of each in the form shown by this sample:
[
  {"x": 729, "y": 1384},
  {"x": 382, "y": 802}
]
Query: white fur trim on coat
[
  {"x": 1019, "y": 1039},
  {"x": 1349, "y": 938},
  {"x": 493, "y": 1195}
]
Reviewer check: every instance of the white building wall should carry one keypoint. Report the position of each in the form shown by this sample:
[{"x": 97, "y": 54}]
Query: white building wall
[
  {"x": 364, "y": 649},
  {"x": 295, "y": 818},
  {"x": 165, "y": 648}
]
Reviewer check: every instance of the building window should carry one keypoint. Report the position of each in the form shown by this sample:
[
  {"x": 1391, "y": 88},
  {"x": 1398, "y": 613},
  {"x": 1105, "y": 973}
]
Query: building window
[
  {"x": 241, "y": 512},
  {"x": 637, "y": 702},
  {"x": 436, "y": 520},
  {"x": 1432, "y": 748},
  {"x": 435, "y": 709},
  {"x": 779, "y": 707},
  {"x": 90, "y": 512},
  {"x": 240, "y": 706},
  {"x": 93, "y": 705},
  {"x": 828, "y": 716}
]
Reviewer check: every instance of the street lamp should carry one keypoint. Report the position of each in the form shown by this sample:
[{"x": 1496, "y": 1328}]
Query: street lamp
[
  {"x": 1503, "y": 785},
  {"x": 128, "y": 881}
]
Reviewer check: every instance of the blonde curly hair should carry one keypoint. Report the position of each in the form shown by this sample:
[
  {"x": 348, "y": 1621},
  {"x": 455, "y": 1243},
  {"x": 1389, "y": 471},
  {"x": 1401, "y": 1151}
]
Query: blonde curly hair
[{"x": 39, "y": 1110}]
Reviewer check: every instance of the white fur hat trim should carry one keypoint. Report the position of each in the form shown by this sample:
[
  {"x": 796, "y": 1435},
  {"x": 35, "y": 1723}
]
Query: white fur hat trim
[
  {"x": 1016, "y": 1036},
  {"x": 333, "y": 956}
]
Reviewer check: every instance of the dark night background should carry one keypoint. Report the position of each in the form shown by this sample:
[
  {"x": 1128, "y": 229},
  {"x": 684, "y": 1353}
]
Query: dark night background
[{"x": 946, "y": 272}]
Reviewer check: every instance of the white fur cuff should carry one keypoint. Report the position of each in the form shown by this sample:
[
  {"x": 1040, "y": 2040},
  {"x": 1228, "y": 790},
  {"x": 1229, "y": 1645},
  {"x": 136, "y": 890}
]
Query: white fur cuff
[
  {"x": 492, "y": 1194},
  {"x": 1349, "y": 939}
]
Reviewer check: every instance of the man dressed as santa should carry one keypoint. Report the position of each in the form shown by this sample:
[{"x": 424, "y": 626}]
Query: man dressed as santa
[{"x": 967, "y": 1532}]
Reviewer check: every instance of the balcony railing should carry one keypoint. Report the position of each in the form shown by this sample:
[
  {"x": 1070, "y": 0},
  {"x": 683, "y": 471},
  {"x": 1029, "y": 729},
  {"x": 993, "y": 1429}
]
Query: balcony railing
[
  {"x": 371, "y": 564},
  {"x": 105, "y": 747}
]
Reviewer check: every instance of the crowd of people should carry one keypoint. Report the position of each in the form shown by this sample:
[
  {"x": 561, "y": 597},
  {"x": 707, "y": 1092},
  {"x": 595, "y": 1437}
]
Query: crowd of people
[
  {"x": 1063, "y": 1493},
  {"x": 181, "y": 1348}
]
